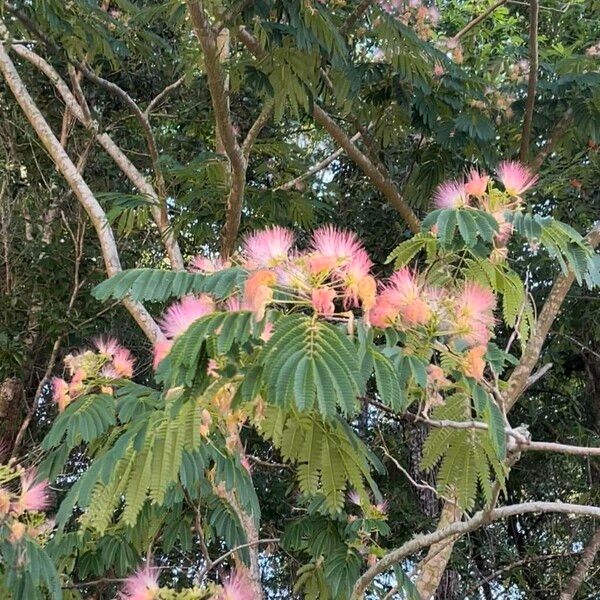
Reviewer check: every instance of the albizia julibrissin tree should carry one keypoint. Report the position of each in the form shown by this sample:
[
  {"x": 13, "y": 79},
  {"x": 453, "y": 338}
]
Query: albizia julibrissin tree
[{"x": 289, "y": 340}]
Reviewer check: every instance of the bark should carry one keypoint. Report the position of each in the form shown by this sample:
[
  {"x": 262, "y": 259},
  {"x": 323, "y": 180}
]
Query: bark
[
  {"x": 78, "y": 185},
  {"x": 582, "y": 568},
  {"x": 534, "y": 11}
]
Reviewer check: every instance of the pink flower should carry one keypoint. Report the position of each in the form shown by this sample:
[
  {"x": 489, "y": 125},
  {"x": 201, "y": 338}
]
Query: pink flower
[
  {"x": 268, "y": 248},
  {"x": 334, "y": 243},
  {"x": 473, "y": 314},
  {"x": 246, "y": 464},
  {"x": 258, "y": 291},
  {"x": 106, "y": 345},
  {"x": 406, "y": 293},
  {"x": 180, "y": 315},
  {"x": 515, "y": 177},
  {"x": 34, "y": 496},
  {"x": 319, "y": 264},
  {"x": 382, "y": 507},
  {"x": 436, "y": 376},
  {"x": 60, "y": 393},
  {"x": 322, "y": 301},
  {"x": 352, "y": 274},
  {"x": 475, "y": 362},
  {"x": 354, "y": 498},
  {"x": 450, "y": 194},
  {"x": 476, "y": 183},
  {"x": 438, "y": 70},
  {"x": 161, "y": 349},
  {"x": 142, "y": 585},
  {"x": 203, "y": 264},
  {"x": 123, "y": 363},
  {"x": 265, "y": 336},
  {"x": 76, "y": 386},
  {"x": 505, "y": 229},
  {"x": 237, "y": 587},
  {"x": 212, "y": 368}
]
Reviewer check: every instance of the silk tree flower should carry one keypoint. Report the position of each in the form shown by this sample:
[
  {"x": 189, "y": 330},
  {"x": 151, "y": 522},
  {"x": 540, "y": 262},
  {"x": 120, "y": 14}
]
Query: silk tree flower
[
  {"x": 180, "y": 315},
  {"x": 344, "y": 246},
  {"x": 320, "y": 265},
  {"x": 354, "y": 498},
  {"x": 106, "y": 345},
  {"x": 60, "y": 393},
  {"x": 161, "y": 349},
  {"x": 436, "y": 377},
  {"x": 475, "y": 364},
  {"x": 258, "y": 292},
  {"x": 450, "y": 194},
  {"x": 351, "y": 276},
  {"x": 406, "y": 293},
  {"x": 237, "y": 587},
  {"x": 505, "y": 228},
  {"x": 122, "y": 364},
  {"x": 515, "y": 177},
  {"x": 473, "y": 314},
  {"x": 322, "y": 301},
  {"x": 476, "y": 183},
  {"x": 204, "y": 264},
  {"x": 267, "y": 248},
  {"x": 142, "y": 585},
  {"x": 34, "y": 496}
]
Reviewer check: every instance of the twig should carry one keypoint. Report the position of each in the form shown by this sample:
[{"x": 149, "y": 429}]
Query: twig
[
  {"x": 161, "y": 96},
  {"x": 289, "y": 185},
  {"x": 233, "y": 551},
  {"x": 534, "y": 13},
  {"x": 258, "y": 125},
  {"x": 478, "y": 19}
]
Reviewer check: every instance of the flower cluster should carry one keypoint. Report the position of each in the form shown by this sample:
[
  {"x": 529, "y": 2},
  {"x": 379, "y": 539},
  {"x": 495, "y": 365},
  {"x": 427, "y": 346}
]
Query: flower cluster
[
  {"x": 423, "y": 19},
  {"x": 477, "y": 191},
  {"x": 144, "y": 585},
  {"x": 20, "y": 504},
  {"x": 108, "y": 361}
]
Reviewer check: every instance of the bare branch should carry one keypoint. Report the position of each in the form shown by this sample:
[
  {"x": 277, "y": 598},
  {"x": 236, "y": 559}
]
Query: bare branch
[
  {"x": 559, "y": 130},
  {"x": 221, "y": 558},
  {"x": 583, "y": 566},
  {"x": 289, "y": 185},
  {"x": 484, "y": 15},
  {"x": 258, "y": 125},
  {"x": 160, "y": 97},
  {"x": 478, "y": 520},
  {"x": 534, "y": 13},
  {"x": 79, "y": 186}
]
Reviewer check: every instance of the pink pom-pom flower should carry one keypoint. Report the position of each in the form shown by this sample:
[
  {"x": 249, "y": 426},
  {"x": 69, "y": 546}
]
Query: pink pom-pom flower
[
  {"x": 142, "y": 585},
  {"x": 267, "y": 248},
  {"x": 515, "y": 177},
  {"x": 180, "y": 315},
  {"x": 450, "y": 194}
]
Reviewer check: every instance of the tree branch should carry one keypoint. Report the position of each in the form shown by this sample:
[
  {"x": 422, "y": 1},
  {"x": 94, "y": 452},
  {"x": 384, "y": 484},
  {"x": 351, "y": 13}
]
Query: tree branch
[
  {"x": 258, "y": 125},
  {"x": 583, "y": 566},
  {"x": 161, "y": 96},
  {"x": 289, "y": 185},
  {"x": 478, "y": 520},
  {"x": 534, "y": 12},
  {"x": 83, "y": 115},
  {"x": 78, "y": 185},
  {"x": 478, "y": 19},
  {"x": 381, "y": 181},
  {"x": 225, "y": 132}
]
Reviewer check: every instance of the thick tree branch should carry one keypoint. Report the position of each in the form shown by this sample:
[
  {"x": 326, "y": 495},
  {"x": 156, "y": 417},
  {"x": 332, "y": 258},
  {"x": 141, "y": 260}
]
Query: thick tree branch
[
  {"x": 583, "y": 566},
  {"x": 78, "y": 185},
  {"x": 381, "y": 181},
  {"x": 225, "y": 132},
  {"x": 457, "y": 529},
  {"x": 534, "y": 11}
]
